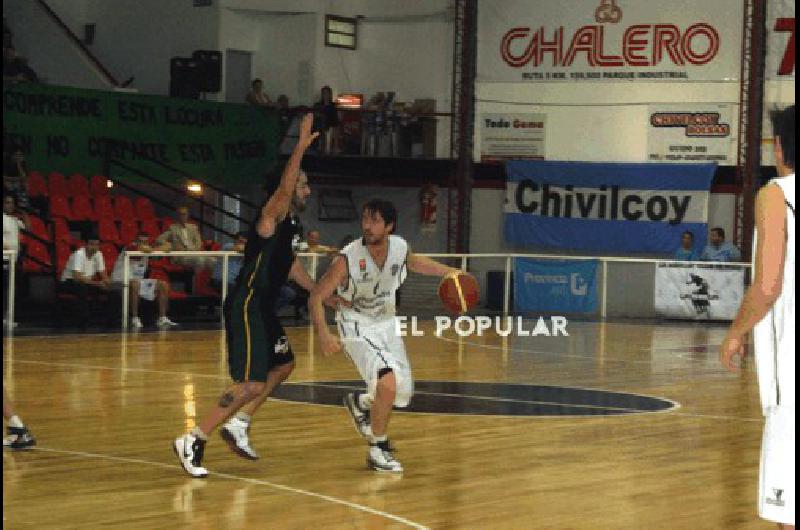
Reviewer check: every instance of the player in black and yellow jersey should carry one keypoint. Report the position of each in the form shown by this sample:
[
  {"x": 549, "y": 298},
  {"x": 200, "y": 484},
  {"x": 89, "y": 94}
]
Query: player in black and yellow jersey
[{"x": 259, "y": 355}]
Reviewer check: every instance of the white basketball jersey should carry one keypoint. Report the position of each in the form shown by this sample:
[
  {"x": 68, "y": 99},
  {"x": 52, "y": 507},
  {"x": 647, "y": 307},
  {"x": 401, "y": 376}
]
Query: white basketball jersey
[
  {"x": 774, "y": 336},
  {"x": 371, "y": 290}
]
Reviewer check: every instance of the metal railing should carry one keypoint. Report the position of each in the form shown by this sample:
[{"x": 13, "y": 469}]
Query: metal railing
[
  {"x": 11, "y": 257},
  {"x": 462, "y": 260}
]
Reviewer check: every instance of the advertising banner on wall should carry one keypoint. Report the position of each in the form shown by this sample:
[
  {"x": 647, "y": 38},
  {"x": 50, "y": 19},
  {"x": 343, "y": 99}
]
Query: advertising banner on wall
[
  {"x": 691, "y": 134},
  {"x": 698, "y": 292},
  {"x": 557, "y": 286},
  {"x": 512, "y": 136},
  {"x": 74, "y": 130},
  {"x": 781, "y": 46},
  {"x": 779, "y": 89},
  {"x": 630, "y": 208},
  {"x": 609, "y": 40}
]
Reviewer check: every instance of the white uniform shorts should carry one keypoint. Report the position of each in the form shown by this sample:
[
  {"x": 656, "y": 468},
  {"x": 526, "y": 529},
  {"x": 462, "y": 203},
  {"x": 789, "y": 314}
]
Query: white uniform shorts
[
  {"x": 376, "y": 347},
  {"x": 776, "y": 490},
  {"x": 147, "y": 289}
]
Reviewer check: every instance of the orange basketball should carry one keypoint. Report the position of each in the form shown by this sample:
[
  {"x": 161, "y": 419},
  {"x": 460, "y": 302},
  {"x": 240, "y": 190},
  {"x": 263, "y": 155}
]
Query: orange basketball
[{"x": 459, "y": 293}]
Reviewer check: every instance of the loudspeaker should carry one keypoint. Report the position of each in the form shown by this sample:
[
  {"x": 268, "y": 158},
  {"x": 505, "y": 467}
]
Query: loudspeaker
[
  {"x": 184, "y": 78},
  {"x": 210, "y": 70}
]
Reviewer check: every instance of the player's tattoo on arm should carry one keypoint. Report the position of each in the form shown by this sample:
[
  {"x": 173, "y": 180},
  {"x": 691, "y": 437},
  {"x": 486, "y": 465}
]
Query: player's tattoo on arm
[{"x": 226, "y": 400}]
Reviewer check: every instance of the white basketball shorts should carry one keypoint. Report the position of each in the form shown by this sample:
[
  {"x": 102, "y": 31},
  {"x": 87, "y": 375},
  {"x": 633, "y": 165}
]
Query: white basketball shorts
[
  {"x": 776, "y": 491},
  {"x": 147, "y": 289},
  {"x": 376, "y": 347}
]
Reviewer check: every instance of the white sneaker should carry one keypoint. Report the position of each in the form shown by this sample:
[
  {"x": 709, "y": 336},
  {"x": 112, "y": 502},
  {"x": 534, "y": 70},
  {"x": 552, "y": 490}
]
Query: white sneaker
[
  {"x": 234, "y": 432},
  {"x": 359, "y": 415},
  {"x": 189, "y": 450},
  {"x": 165, "y": 322},
  {"x": 136, "y": 323},
  {"x": 380, "y": 458}
]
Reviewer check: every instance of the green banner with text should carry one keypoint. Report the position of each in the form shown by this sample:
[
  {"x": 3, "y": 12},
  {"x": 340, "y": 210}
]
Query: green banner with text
[{"x": 74, "y": 130}]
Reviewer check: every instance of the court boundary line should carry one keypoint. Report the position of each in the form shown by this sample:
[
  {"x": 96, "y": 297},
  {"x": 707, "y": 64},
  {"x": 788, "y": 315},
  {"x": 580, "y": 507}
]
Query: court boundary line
[
  {"x": 675, "y": 410},
  {"x": 273, "y": 485}
]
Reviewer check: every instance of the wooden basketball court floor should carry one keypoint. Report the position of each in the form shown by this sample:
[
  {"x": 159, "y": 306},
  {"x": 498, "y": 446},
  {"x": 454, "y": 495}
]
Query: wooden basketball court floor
[{"x": 105, "y": 409}]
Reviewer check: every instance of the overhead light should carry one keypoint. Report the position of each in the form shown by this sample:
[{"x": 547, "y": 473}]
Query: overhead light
[{"x": 194, "y": 187}]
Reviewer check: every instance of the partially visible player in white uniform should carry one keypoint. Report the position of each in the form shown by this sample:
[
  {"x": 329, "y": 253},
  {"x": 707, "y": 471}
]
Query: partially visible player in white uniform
[
  {"x": 367, "y": 273},
  {"x": 768, "y": 309}
]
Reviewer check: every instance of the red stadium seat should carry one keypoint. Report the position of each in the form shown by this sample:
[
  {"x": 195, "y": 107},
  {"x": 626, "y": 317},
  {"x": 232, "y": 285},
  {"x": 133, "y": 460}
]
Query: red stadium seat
[
  {"x": 110, "y": 253},
  {"x": 38, "y": 228},
  {"x": 82, "y": 209},
  {"x": 202, "y": 284},
  {"x": 103, "y": 208},
  {"x": 37, "y": 257},
  {"x": 78, "y": 185},
  {"x": 159, "y": 274},
  {"x": 63, "y": 252},
  {"x": 123, "y": 208},
  {"x": 150, "y": 227},
  {"x": 99, "y": 186},
  {"x": 128, "y": 230},
  {"x": 57, "y": 184},
  {"x": 144, "y": 209},
  {"x": 59, "y": 207},
  {"x": 107, "y": 231},
  {"x": 37, "y": 185},
  {"x": 61, "y": 231}
]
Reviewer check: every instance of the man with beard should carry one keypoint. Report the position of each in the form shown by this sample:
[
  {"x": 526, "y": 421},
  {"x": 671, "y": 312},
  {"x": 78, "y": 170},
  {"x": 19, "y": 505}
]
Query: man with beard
[
  {"x": 367, "y": 273},
  {"x": 259, "y": 355}
]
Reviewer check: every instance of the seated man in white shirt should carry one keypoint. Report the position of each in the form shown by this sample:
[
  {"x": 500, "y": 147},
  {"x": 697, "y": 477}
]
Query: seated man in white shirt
[
  {"x": 85, "y": 274},
  {"x": 139, "y": 286}
]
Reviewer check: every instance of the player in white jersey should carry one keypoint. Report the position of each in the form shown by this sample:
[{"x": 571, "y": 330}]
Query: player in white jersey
[
  {"x": 769, "y": 309},
  {"x": 367, "y": 273}
]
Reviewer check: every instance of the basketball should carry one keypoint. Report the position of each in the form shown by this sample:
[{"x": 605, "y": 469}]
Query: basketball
[{"x": 459, "y": 292}]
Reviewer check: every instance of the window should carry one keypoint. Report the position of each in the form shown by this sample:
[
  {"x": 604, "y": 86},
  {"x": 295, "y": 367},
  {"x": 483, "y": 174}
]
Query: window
[{"x": 340, "y": 32}]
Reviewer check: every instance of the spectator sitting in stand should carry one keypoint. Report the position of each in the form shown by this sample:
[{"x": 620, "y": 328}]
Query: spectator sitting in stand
[
  {"x": 16, "y": 68},
  {"x": 328, "y": 117},
  {"x": 184, "y": 235},
  {"x": 85, "y": 275},
  {"x": 139, "y": 286},
  {"x": 718, "y": 249},
  {"x": 234, "y": 262},
  {"x": 686, "y": 252},
  {"x": 13, "y": 222},
  {"x": 257, "y": 96}
]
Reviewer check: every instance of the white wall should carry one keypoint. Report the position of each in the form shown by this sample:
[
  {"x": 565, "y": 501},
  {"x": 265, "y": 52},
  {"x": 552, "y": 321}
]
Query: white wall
[
  {"x": 138, "y": 37},
  {"x": 405, "y": 199},
  {"x": 51, "y": 54},
  {"x": 604, "y": 122}
]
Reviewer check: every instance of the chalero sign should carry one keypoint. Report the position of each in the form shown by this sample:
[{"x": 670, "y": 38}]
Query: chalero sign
[{"x": 604, "y": 42}]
